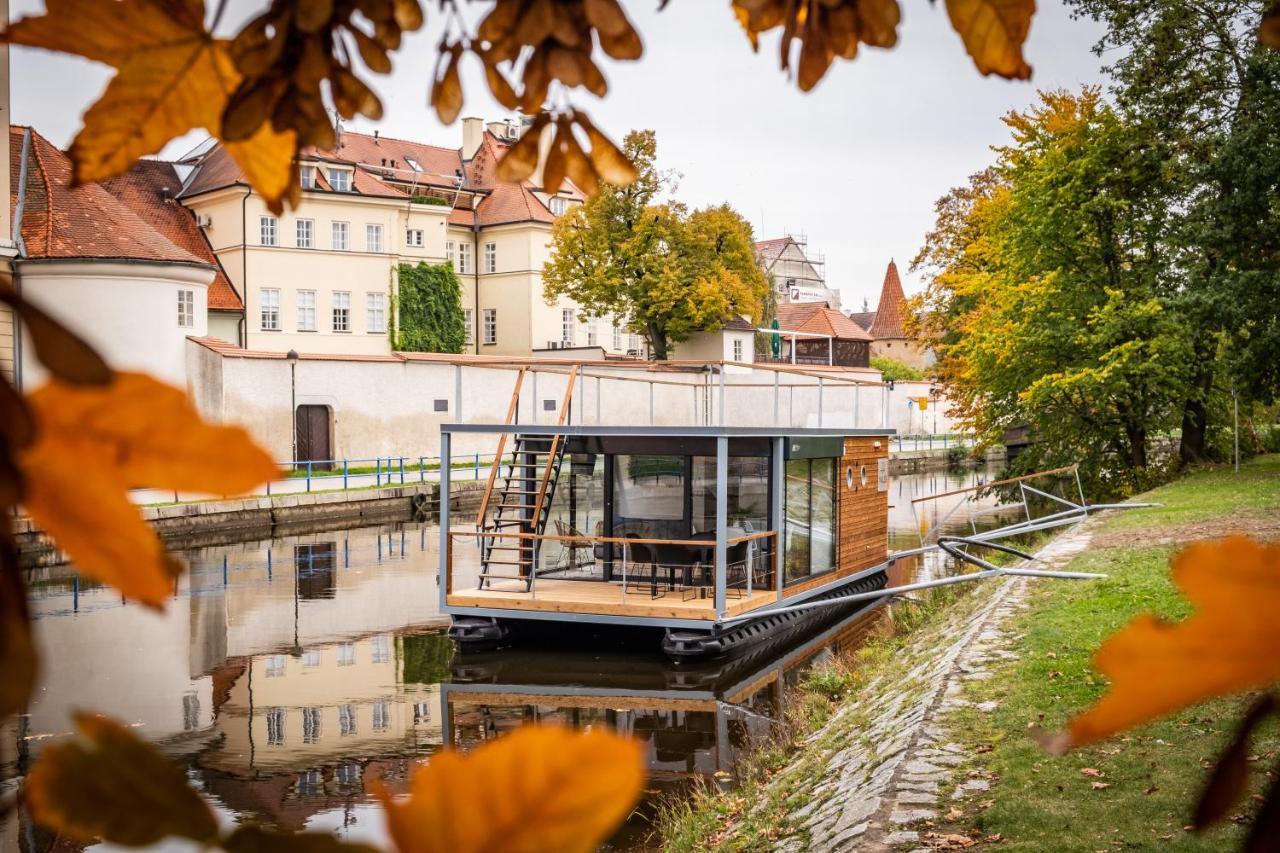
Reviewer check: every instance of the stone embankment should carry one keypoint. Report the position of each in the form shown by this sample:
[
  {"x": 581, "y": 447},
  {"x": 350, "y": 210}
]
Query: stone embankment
[
  {"x": 882, "y": 767},
  {"x": 204, "y": 523}
]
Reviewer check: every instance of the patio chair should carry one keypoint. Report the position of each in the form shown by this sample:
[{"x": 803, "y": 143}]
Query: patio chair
[{"x": 570, "y": 552}]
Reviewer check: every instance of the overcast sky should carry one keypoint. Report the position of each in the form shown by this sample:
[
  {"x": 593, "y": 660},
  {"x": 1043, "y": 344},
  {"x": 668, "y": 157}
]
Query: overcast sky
[{"x": 855, "y": 164}]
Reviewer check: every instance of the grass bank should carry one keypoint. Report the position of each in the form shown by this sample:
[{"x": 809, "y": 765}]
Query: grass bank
[{"x": 1140, "y": 788}]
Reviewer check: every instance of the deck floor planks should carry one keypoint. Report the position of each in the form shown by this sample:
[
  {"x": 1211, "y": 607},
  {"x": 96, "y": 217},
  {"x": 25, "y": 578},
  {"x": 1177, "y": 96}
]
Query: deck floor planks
[{"x": 588, "y": 597}]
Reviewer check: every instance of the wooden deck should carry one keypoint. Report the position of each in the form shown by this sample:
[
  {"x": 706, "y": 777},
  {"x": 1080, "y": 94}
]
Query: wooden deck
[{"x": 598, "y": 597}]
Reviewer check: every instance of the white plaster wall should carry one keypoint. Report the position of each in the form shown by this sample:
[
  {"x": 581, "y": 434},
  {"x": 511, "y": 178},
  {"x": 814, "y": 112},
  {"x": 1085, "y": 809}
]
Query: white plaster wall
[
  {"x": 386, "y": 407},
  {"x": 127, "y": 310},
  {"x": 225, "y": 326}
]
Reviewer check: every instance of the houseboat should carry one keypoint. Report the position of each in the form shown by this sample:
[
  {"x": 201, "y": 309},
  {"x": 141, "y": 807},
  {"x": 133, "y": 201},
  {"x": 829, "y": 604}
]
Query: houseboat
[{"x": 710, "y": 536}]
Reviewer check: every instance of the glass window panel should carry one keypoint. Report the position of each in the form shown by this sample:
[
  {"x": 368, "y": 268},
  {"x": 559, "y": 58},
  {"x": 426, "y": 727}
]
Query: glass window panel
[
  {"x": 822, "y": 523},
  {"x": 648, "y": 500},
  {"x": 797, "y": 520}
]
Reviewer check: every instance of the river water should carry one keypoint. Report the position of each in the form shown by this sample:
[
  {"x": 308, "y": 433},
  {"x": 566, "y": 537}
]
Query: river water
[{"x": 285, "y": 675}]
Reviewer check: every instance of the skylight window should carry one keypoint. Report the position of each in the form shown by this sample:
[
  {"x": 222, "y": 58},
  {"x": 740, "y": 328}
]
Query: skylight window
[{"x": 413, "y": 164}]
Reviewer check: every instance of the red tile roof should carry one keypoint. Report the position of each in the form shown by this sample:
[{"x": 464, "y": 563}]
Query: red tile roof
[
  {"x": 817, "y": 318},
  {"x": 150, "y": 190},
  {"x": 863, "y": 318},
  {"x": 62, "y": 221},
  {"x": 892, "y": 307},
  {"x": 380, "y": 159}
]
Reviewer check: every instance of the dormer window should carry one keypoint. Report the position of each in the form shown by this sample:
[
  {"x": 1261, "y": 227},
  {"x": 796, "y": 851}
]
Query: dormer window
[
  {"x": 413, "y": 164},
  {"x": 559, "y": 204},
  {"x": 340, "y": 180},
  {"x": 307, "y": 176}
]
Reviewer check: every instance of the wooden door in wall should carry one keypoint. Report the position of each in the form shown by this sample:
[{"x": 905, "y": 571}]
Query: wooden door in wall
[{"x": 313, "y": 433}]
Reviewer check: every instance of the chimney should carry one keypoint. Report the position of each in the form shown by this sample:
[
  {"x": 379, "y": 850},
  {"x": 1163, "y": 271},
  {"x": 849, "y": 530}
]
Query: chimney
[
  {"x": 375, "y": 136},
  {"x": 472, "y": 136}
]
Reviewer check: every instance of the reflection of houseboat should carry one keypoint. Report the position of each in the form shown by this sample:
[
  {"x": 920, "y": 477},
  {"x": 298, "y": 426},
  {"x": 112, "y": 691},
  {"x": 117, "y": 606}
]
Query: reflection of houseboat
[{"x": 712, "y": 534}]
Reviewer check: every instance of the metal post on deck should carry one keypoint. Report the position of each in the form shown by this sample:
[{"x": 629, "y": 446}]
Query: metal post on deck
[
  {"x": 793, "y": 349},
  {"x": 442, "y": 579},
  {"x": 598, "y": 380},
  {"x": 650, "y": 402},
  {"x": 819, "y": 402},
  {"x": 775, "y": 398},
  {"x": 778, "y": 500},
  {"x": 722, "y": 520},
  {"x": 856, "y": 389},
  {"x": 457, "y": 393},
  {"x": 536, "y": 405},
  {"x": 721, "y": 421}
]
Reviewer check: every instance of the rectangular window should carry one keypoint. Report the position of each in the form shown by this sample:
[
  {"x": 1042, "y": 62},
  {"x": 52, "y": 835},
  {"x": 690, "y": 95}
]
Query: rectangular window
[
  {"x": 267, "y": 230},
  {"x": 275, "y": 726},
  {"x": 270, "y": 318},
  {"x": 347, "y": 654},
  {"x": 373, "y": 238},
  {"x": 376, "y": 312},
  {"x": 567, "y": 326},
  {"x": 307, "y": 176},
  {"x": 340, "y": 180},
  {"x": 617, "y": 337},
  {"x": 591, "y": 333},
  {"x": 186, "y": 308},
  {"x": 381, "y": 716},
  {"x": 346, "y": 720},
  {"x": 490, "y": 257},
  {"x": 341, "y": 231},
  {"x": 306, "y": 310},
  {"x": 810, "y": 518},
  {"x": 311, "y": 658},
  {"x": 275, "y": 666},
  {"x": 341, "y": 311},
  {"x": 737, "y": 349},
  {"x": 470, "y": 322},
  {"x": 490, "y": 325},
  {"x": 306, "y": 233},
  {"x": 310, "y": 725},
  {"x": 633, "y": 344},
  {"x": 381, "y": 649},
  {"x": 464, "y": 257},
  {"x": 559, "y": 204},
  {"x": 450, "y": 254},
  {"x": 413, "y": 237}
]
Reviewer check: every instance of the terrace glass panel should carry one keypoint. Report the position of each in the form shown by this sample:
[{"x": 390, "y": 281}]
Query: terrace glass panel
[
  {"x": 822, "y": 529},
  {"x": 648, "y": 497},
  {"x": 797, "y": 520}
]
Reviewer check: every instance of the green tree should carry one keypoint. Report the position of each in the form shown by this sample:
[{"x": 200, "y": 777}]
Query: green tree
[
  {"x": 1046, "y": 286},
  {"x": 1193, "y": 77},
  {"x": 670, "y": 272},
  {"x": 430, "y": 309},
  {"x": 892, "y": 369}
]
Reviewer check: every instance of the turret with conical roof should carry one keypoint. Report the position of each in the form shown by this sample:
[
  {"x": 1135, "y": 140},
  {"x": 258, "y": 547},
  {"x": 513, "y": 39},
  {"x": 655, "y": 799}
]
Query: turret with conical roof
[{"x": 892, "y": 307}]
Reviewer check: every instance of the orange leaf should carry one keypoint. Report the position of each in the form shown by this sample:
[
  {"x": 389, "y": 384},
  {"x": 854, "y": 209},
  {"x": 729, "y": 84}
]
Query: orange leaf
[
  {"x": 1227, "y": 646},
  {"x": 172, "y": 77},
  {"x": 1269, "y": 29},
  {"x": 993, "y": 32},
  {"x": 111, "y": 784},
  {"x": 94, "y": 443},
  {"x": 539, "y": 788}
]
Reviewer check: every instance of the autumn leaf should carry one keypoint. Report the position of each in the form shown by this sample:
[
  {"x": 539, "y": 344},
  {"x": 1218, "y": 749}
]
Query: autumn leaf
[
  {"x": 94, "y": 443},
  {"x": 539, "y": 788},
  {"x": 258, "y": 839},
  {"x": 172, "y": 76},
  {"x": 1227, "y": 646},
  {"x": 110, "y": 784},
  {"x": 17, "y": 649},
  {"x": 993, "y": 32},
  {"x": 1269, "y": 29}
]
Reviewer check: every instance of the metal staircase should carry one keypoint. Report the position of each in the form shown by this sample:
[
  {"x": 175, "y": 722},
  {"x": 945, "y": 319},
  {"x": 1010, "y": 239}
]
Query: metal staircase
[{"x": 521, "y": 498}]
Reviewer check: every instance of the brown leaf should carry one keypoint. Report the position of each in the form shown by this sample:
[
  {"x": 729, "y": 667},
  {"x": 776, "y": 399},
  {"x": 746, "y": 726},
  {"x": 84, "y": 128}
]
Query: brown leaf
[
  {"x": 94, "y": 444},
  {"x": 553, "y": 171},
  {"x": 1230, "y": 777},
  {"x": 521, "y": 159},
  {"x": 446, "y": 91},
  {"x": 1092, "y": 771},
  {"x": 538, "y": 788},
  {"x": 1231, "y": 637},
  {"x": 993, "y": 32},
  {"x": 1098, "y": 786},
  {"x": 172, "y": 76},
  {"x": 112, "y": 785},
  {"x": 609, "y": 161},
  {"x": 880, "y": 19},
  {"x": 259, "y": 839},
  {"x": 1269, "y": 29},
  {"x": 501, "y": 88},
  {"x": 17, "y": 649},
  {"x": 1266, "y": 823},
  {"x": 65, "y": 354}
]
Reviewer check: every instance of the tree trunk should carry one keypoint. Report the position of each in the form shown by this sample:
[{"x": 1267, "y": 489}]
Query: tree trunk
[
  {"x": 657, "y": 342},
  {"x": 1195, "y": 414},
  {"x": 1137, "y": 446}
]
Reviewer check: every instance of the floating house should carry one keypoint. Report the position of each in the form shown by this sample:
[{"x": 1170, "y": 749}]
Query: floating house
[{"x": 711, "y": 535}]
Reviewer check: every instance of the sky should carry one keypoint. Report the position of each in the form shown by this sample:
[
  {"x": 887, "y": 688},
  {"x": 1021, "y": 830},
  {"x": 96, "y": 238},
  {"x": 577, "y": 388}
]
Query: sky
[{"x": 855, "y": 165}]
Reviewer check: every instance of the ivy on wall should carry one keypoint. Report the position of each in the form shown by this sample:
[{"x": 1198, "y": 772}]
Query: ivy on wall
[{"x": 430, "y": 309}]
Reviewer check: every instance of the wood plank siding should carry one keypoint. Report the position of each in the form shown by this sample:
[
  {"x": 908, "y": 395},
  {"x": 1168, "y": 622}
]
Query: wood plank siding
[{"x": 864, "y": 509}]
